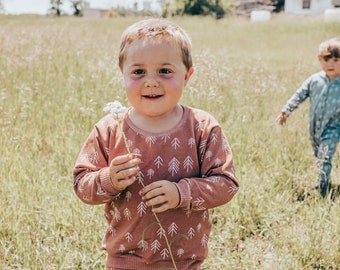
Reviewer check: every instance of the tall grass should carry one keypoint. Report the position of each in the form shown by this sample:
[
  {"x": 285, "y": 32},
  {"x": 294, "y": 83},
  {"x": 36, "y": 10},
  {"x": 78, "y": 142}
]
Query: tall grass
[{"x": 56, "y": 74}]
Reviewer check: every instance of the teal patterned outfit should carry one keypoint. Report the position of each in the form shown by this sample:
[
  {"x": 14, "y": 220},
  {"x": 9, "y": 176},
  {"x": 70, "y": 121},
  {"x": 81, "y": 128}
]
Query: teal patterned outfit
[{"x": 324, "y": 125}]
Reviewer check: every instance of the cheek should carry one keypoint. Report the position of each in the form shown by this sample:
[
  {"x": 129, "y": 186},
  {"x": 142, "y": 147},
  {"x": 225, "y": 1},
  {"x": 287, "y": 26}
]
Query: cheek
[
  {"x": 175, "y": 83},
  {"x": 129, "y": 83}
]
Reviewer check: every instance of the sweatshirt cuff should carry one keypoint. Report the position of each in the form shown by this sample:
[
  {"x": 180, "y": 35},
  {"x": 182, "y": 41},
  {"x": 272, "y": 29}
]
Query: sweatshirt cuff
[
  {"x": 106, "y": 182},
  {"x": 286, "y": 110},
  {"x": 185, "y": 194}
]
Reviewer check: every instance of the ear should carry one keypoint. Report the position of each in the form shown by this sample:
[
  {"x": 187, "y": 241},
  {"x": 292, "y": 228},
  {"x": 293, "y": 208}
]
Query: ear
[{"x": 188, "y": 75}]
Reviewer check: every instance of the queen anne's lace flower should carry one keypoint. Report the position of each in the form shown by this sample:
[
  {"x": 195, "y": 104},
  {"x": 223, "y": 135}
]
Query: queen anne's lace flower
[{"x": 116, "y": 109}]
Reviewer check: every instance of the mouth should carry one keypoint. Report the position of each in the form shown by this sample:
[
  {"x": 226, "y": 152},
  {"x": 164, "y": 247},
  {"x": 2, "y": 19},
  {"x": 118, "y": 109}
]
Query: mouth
[{"x": 152, "y": 96}]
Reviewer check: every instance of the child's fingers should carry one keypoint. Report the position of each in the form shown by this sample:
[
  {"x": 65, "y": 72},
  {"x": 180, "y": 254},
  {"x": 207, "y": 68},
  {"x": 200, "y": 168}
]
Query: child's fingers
[
  {"x": 161, "y": 195},
  {"x": 126, "y": 173},
  {"x": 121, "y": 159},
  {"x": 161, "y": 208},
  {"x": 123, "y": 170}
]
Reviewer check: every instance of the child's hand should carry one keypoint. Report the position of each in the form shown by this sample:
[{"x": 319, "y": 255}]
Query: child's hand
[
  {"x": 282, "y": 118},
  {"x": 123, "y": 171},
  {"x": 161, "y": 195}
]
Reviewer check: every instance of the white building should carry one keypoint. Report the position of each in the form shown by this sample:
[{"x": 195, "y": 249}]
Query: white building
[{"x": 310, "y": 6}]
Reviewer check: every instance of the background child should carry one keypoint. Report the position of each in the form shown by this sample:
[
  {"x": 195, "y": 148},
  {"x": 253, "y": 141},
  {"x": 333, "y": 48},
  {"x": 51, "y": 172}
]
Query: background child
[
  {"x": 323, "y": 89},
  {"x": 180, "y": 163}
]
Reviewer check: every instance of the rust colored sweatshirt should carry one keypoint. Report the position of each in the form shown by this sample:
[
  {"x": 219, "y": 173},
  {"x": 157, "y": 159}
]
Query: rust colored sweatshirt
[{"x": 195, "y": 155}]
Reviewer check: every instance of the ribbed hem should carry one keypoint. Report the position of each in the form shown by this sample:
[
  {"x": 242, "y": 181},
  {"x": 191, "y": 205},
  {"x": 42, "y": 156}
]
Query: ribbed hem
[
  {"x": 107, "y": 183},
  {"x": 131, "y": 262}
]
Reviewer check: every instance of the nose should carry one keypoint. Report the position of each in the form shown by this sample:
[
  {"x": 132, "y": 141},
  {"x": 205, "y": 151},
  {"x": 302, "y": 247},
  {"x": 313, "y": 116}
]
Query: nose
[{"x": 151, "y": 81}]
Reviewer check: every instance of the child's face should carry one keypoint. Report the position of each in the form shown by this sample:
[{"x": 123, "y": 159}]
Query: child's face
[
  {"x": 331, "y": 66},
  {"x": 154, "y": 75}
]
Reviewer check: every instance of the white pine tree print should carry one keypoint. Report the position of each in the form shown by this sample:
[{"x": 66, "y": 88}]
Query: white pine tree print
[
  {"x": 158, "y": 162},
  {"x": 199, "y": 226},
  {"x": 81, "y": 188},
  {"x": 93, "y": 158},
  {"x": 208, "y": 155},
  {"x": 215, "y": 179},
  {"x": 121, "y": 248},
  {"x": 165, "y": 138},
  {"x": 143, "y": 245},
  {"x": 160, "y": 233},
  {"x": 193, "y": 257},
  {"x": 205, "y": 216},
  {"x": 128, "y": 195},
  {"x": 172, "y": 229},
  {"x": 116, "y": 214},
  {"x": 140, "y": 177},
  {"x": 165, "y": 253},
  {"x": 180, "y": 252},
  {"x": 218, "y": 162},
  {"x": 198, "y": 126},
  {"x": 225, "y": 146},
  {"x": 233, "y": 189},
  {"x": 86, "y": 198},
  {"x": 175, "y": 143},
  {"x": 127, "y": 214},
  {"x": 150, "y": 173},
  {"x": 202, "y": 148},
  {"x": 111, "y": 230},
  {"x": 187, "y": 164},
  {"x": 214, "y": 138},
  {"x": 136, "y": 151},
  {"x": 128, "y": 237},
  {"x": 191, "y": 142},
  {"x": 198, "y": 201},
  {"x": 129, "y": 143},
  {"x": 204, "y": 240},
  {"x": 150, "y": 140},
  {"x": 141, "y": 209},
  {"x": 191, "y": 232},
  {"x": 173, "y": 166},
  {"x": 155, "y": 246}
]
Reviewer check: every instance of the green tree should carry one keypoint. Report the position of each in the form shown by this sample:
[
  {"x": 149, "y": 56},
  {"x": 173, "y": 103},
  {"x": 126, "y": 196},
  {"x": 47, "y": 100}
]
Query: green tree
[
  {"x": 217, "y": 8},
  {"x": 56, "y": 7},
  {"x": 77, "y": 6}
]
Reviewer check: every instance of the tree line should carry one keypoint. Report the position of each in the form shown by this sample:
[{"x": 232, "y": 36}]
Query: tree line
[{"x": 216, "y": 8}]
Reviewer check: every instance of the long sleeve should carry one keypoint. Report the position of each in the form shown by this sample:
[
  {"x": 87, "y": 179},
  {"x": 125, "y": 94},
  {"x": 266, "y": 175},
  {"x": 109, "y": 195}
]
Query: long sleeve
[
  {"x": 298, "y": 97},
  {"x": 92, "y": 182},
  {"x": 217, "y": 184}
]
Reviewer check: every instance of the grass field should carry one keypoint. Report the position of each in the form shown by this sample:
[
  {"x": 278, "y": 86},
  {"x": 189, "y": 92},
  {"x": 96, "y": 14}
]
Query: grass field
[{"x": 56, "y": 75}]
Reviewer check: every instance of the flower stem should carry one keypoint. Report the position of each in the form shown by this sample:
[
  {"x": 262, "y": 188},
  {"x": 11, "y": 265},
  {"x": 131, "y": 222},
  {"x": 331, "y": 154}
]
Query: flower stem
[
  {"x": 124, "y": 137},
  {"x": 166, "y": 239},
  {"x": 155, "y": 215}
]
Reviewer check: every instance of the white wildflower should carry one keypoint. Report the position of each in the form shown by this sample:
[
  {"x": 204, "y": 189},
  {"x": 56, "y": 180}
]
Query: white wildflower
[{"x": 116, "y": 109}]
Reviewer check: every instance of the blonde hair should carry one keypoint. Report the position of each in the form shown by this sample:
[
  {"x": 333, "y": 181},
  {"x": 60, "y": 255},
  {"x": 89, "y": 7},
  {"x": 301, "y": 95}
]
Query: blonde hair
[
  {"x": 329, "y": 49},
  {"x": 155, "y": 29}
]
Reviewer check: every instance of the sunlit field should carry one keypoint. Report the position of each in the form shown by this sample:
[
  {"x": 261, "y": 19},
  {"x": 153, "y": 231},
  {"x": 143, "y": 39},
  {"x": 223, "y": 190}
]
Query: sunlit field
[{"x": 56, "y": 75}]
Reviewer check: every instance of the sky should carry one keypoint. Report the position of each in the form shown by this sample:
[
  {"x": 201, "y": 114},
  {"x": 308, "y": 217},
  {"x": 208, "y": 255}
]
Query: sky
[{"x": 41, "y": 6}]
